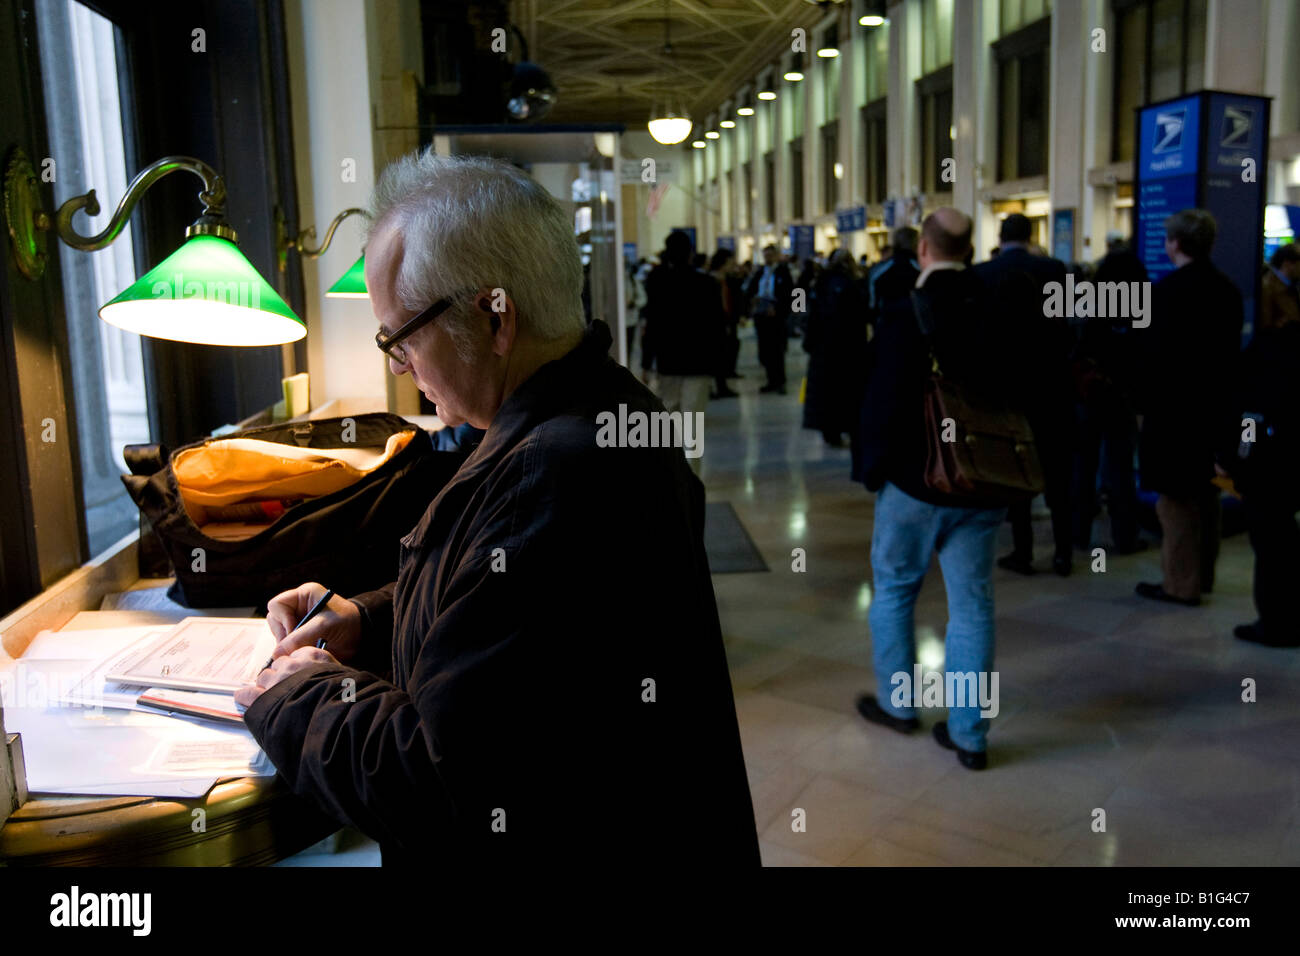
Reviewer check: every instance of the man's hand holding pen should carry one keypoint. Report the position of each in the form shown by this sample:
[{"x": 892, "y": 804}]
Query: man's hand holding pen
[{"x": 336, "y": 625}]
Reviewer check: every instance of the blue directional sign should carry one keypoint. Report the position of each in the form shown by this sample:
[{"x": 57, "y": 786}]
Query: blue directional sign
[{"x": 851, "y": 220}]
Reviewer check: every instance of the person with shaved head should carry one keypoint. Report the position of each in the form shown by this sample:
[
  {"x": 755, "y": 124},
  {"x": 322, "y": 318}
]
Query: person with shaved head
[{"x": 913, "y": 522}]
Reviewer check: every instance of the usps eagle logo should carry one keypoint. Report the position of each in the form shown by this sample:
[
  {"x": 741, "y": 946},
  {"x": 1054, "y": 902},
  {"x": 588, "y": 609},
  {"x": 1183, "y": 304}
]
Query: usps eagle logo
[
  {"x": 1237, "y": 121},
  {"x": 1169, "y": 131}
]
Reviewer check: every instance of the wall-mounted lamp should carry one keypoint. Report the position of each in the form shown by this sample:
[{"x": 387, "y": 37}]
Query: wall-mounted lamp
[
  {"x": 205, "y": 292},
  {"x": 350, "y": 285}
]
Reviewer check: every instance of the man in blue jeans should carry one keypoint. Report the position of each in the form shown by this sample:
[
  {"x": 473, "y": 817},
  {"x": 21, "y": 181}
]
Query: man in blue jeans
[{"x": 913, "y": 522}]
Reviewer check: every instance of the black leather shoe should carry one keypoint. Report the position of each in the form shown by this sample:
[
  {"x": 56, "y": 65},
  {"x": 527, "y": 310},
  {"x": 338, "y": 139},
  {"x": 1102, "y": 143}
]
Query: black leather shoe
[
  {"x": 970, "y": 759},
  {"x": 873, "y": 712},
  {"x": 1156, "y": 593},
  {"x": 1014, "y": 562},
  {"x": 1257, "y": 635},
  {"x": 724, "y": 393},
  {"x": 773, "y": 389},
  {"x": 1062, "y": 565}
]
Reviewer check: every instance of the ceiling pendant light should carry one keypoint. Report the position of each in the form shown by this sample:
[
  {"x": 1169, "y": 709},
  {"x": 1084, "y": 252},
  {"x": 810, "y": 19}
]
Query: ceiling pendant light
[{"x": 669, "y": 126}]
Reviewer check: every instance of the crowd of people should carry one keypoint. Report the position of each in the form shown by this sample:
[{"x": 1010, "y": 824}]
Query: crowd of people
[{"x": 1166, "y": 410}]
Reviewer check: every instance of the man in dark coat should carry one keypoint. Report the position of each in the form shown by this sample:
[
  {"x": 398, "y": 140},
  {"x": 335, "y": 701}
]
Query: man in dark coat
[
  {"x": 770, "y": 290},
  {"x": 836, "y": 343},
  {"x": 895, "y": 276},
  {"x": 684, "y": 329},
  {"x": 513, "y": 698},
  {"x": 1039, "y": 348},
  {"x": 1264, "y": 459},
  {"x": 913, "y": 523},
  {"x": 1190, "y": 350},
  {"x": 889, "y": 281},
  {"x": 1105, "y": 367}
]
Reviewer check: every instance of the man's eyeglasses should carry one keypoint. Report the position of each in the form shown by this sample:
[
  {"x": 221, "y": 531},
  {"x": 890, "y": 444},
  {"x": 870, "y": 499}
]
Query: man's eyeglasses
[{"x": 390, "y": 344}]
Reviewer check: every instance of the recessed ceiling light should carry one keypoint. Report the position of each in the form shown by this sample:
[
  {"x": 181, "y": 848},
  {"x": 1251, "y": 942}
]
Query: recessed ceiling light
[
  {"x": 827, "y": 52},
  {"x": 699, "y": 144},
  {"x": 871, "y": 21},
  {"x": 712, "y": 134},
  {"x": 767, "y": 95},
  {"x": 728, "y": 124},
  {"x": 794, "y": 76},
  {"x": 745, "y": 111}
]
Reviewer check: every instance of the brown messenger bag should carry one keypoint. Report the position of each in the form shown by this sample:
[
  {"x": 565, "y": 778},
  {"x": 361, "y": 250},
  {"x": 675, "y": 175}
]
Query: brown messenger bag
[{"x": 978, "y": 447}]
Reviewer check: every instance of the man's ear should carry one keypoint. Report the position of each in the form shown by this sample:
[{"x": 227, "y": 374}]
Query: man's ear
[{"x": 502, "y": 317}]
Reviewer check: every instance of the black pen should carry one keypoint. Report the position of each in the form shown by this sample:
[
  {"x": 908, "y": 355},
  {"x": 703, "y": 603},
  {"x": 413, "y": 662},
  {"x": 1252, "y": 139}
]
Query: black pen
[{"x": 316, "y": 609}]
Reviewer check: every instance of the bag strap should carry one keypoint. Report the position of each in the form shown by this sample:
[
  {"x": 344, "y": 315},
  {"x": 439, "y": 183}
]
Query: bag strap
[{"x": 925, "y": 322}]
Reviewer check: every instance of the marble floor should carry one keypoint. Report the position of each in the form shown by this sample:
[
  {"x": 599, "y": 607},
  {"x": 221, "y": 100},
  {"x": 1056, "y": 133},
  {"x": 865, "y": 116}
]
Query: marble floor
[{"x": 1108, "y": 702}]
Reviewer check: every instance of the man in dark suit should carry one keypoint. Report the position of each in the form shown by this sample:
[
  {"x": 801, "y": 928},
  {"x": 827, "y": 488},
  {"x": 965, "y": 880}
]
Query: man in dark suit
[
  {"x": 1190, "y": 349},
  {"x": 1039, "y": 348},
  {"x": 770, "y": 289}
]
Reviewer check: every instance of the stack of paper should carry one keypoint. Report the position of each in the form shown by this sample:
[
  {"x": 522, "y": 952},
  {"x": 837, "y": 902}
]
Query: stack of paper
[{"x": 76, "y": 697}]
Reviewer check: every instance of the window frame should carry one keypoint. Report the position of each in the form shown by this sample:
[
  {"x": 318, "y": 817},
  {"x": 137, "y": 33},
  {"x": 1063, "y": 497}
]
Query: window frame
[
  {"x": 1030, "y": 40},
  {"x": 931, "y": 85},
  {"x": 1121, "y": 8},
  {"x": 876, "y": 112}
]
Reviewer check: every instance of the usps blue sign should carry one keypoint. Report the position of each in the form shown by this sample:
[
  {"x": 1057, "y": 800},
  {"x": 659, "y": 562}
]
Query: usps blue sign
[
  {"x": 851, "y": 220},
  {"x": 1237, "y": 125},
  {"x": 1167, "y": 144}
]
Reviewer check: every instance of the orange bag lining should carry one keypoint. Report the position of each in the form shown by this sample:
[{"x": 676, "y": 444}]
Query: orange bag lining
[{"x": 234, "y": 470}]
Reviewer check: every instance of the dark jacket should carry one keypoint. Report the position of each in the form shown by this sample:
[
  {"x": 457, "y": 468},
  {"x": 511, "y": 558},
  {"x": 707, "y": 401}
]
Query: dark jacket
[
  {"x": 522, "y": 650},
  {"x": 1037, "y": 347},
  {"x": 1268, "y": 390},
  {"x": 836, "y": 343},
  {"x": 1189, "y": 354},
  {"x": 894, "y": 278},
  {"x": 783, "y": 284},
  {"x": 684, "y": 321},
  {"x": 1106, "y": 357},
  {"x": 893, "y": 433}
]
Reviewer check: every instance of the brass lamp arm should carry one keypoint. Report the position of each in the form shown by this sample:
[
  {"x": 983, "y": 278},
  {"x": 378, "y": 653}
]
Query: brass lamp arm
[
  {"x": 310, "y": 233},
  {"x": 213, "y": 197}
]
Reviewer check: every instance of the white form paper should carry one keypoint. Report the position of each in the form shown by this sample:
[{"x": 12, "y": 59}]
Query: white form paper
[
  {"x": 203, "y": 653},
  {"x": 88, "y": 749}
]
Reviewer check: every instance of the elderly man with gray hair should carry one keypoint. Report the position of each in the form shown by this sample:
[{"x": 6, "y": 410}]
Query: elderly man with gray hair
[{"x": 546, "y": 676}]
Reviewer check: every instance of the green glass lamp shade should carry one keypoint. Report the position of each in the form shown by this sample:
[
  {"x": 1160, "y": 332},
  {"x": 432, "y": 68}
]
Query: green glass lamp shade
[
  {"x": 205, "y": 292},
  {"x": 352, "y": 284}
]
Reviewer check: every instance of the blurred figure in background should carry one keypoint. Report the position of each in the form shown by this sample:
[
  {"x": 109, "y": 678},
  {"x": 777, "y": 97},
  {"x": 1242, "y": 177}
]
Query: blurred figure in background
[
  {"x": 1189, "y": 353},
  {"x": 1279, "y": 290},
  {"x": 836, "y": 342},
  {"x": 895, "y": 275},
  {"x": 1263, "y": 471},
  {"x": 720, "y": 269},
  {"x": 1039, "y": 347},
  {"x": 1105, "y": 366},
  {"x": 770, "y": 290},
  {"x": 683, "y": 332}
]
